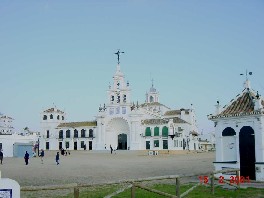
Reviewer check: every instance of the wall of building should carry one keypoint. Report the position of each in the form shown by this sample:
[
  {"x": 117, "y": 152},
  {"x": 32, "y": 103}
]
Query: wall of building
[{"x": 8, "y": 141}]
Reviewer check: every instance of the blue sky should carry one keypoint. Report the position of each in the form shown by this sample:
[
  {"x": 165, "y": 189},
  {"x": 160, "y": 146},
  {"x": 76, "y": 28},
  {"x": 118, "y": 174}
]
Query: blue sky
[{"x": 62, "y": 52}]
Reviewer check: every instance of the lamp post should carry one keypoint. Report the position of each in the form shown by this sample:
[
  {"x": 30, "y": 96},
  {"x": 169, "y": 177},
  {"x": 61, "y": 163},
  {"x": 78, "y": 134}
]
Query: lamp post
[
  {"x": 173, "y": 134},
  {"x": 188, "y": 140}
]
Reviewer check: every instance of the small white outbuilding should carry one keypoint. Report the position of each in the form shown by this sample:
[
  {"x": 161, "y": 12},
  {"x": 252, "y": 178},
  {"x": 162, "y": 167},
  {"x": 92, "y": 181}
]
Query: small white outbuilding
[{"x": 239, "y": 133}]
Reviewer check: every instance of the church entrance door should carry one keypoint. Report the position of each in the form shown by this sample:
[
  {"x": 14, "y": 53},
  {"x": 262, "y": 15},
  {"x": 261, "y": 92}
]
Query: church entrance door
[
  {"x": 247, "y": 152},
  {"x": 117, "y": 134},
  {"x": 75, "y": 146},
  {"x": 122, "y": 141}
]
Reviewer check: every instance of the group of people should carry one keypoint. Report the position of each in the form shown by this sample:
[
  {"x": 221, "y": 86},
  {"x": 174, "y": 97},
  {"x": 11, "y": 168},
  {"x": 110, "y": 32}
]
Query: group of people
[
  {"x": 41, "y": 155},
  {"x": 111, "y": 149},
  {"x": 64, "y": 152}
]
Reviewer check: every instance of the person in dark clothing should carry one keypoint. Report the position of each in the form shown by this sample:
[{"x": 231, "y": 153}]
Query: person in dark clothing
[
  {"x": 58, "y": 158},
  {"x": 111, "y": 148},
  {"x": 26, "y": 158},
  {"x": 62, "y": 151},
  {"x": 42, "y": 155},
  {"x": 1, "y": 156}
]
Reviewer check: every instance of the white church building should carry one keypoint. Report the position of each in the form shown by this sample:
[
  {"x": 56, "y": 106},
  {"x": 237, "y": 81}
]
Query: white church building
[
  {"x": 123, "y": 124},
  {"x": 239, "y": 133}
]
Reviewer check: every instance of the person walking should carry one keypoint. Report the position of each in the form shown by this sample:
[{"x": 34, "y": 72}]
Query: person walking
[
  {"x": 1, "y": 156},
  {"x": 111, "y": 148},
  {"x": 58, "y": 158},
  {"x": 26, "y": 157},
  {"x": 42, "y": 155}
]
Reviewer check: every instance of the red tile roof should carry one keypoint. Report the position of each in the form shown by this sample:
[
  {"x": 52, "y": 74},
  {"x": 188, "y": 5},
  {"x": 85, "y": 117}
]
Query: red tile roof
[
  {"x": 77, "y": 124},
  {"x": 163, "y": 121},
  {"x": 153, "y": 104},
  {"x": 194, "y": 133},
  {"x": 242, "y": 104},
  {"x": 176, "y": 112}
]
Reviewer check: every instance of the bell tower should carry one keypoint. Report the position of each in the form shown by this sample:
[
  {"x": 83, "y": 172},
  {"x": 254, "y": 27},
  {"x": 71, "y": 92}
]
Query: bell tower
[
  {"x": 118, "y": 94},
  {"x": 152, "y": 95}
]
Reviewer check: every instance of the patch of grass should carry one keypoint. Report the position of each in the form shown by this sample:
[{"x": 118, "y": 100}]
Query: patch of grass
[
  {"x": 168, "y": 188},
  {"x": 205, "y": 192},
  {"x": 199, "y": 192},
  {"x": 94, "y": 192}
]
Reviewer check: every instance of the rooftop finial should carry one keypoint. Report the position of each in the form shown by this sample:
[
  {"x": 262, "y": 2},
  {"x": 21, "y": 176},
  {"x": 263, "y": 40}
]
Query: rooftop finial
[
  {"x": 118, "y": 55},
  {"x": 246, "y": 83},
  {"x": 247, "y": 73}
]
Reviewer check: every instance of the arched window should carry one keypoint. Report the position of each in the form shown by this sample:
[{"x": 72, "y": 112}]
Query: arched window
[
  {"x": 148, "y": 131},
  {"x": 51, "y": 116},
  {"x": 68, "y": 133},
  {"x": 75, "y": 133},
  {"x": 151, "y": 99},
  {"x": 228, "y": 131},
  {"x": 165, "y": 131},
  {"x": 229, "y": 145},
  {"x": 156, "y": 131},
  {"x": 58, "y": 117},
  {"x": 62, "y": 117},
  {"x": 45, "y": 117},
  {"x": 90, "y": 132},
  {"x": 60, "y": 134},
  {"x": 83, "y": 133}
]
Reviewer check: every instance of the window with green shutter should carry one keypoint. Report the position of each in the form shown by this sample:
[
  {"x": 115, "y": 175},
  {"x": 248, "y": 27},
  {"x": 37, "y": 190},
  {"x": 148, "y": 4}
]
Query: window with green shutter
[
  {"x": 148, "y": 131},
  {"x": 156, "y": 131},
  {"x": 156, "y": 143},
  {"x": 165, "y": 131}
]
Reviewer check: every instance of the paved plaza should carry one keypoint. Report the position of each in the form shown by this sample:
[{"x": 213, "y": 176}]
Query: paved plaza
[{"x": 92, "y": 167}]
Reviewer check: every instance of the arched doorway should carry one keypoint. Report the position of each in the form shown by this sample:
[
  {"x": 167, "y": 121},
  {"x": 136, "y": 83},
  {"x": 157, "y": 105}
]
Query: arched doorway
[
  {"x": 122, "y": 141},
  {"x": 117, "y": 134},
  {"x": 247, "y": 152}
]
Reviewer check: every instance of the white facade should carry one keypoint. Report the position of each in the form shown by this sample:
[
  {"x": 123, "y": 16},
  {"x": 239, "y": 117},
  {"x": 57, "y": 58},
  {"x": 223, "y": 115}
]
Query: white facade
[
  {"x": 207, "y": 141},
  {"x": 8, "y": 137},
  {"x": 7, "y": 142},
  {"x": 239, "y": 131},
  {"x": 6, "y": 125},
  {"x": 123, "y": 124}
]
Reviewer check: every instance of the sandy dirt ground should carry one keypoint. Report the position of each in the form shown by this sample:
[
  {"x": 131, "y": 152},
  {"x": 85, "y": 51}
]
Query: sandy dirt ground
[{"x": 93, "y": 167}]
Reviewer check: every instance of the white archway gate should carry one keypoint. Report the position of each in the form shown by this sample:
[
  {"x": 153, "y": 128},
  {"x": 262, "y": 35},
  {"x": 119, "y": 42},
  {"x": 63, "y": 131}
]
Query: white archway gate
[{"x": 117, "y": 134}]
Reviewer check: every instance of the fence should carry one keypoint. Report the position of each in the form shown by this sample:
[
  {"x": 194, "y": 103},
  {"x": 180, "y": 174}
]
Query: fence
[{"x": 133, "y": 184}]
